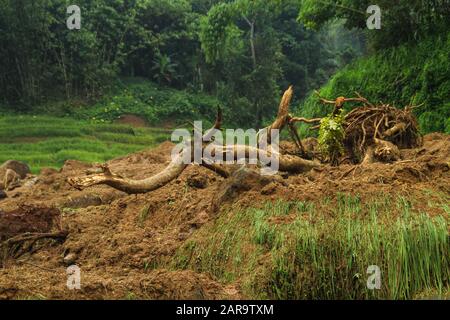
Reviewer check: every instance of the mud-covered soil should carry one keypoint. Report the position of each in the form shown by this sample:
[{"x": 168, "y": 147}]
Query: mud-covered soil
[{"x": 118, "y": 240}]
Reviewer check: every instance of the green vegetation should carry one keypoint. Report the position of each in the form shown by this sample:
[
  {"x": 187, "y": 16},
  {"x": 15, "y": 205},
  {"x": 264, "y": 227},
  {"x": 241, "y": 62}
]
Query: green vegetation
[
  {"x": 240, "y": 54},
  {"x": 48, "y": 142},
  {"x": 171, "y": 62},
  {"x": 172, "y": 42},
  {"x": 408, "y": 74},
  {"x": 321, "y": 250},
  {"x": 401, "y": 20},
  {"x": 137, "y": 96},
  {"x": 331, "y": 136}
]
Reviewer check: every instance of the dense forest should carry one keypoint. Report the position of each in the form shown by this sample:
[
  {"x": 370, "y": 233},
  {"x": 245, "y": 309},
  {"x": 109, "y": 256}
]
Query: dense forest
[{"x": 175, "y": 59}]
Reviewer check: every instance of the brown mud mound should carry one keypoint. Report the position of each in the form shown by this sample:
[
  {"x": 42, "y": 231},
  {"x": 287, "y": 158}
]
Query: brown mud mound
[
  {"x": 43, "y": 283},
  {"x": 123, "y": 244}
]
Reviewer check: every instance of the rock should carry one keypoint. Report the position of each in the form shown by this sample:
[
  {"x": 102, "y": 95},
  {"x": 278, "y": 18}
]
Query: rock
[
  {"x": 70, "y": 259},
  {"x": 9, "y": 179}
]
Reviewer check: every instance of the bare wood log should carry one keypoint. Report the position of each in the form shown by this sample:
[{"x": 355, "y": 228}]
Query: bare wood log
[
  {"x": 171, "y": 172},
  {"x": 287, "y": 163},
  {"x": 283, "y": 116},
  {"x": 399, "y": 127},
  {"x": 130, "y": 186},
  {"x": 176, "y": 167}
]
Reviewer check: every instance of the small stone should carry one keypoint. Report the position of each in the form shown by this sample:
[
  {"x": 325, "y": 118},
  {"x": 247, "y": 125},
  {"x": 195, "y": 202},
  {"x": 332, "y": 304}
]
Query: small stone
[{"x": 70, "y": 259}]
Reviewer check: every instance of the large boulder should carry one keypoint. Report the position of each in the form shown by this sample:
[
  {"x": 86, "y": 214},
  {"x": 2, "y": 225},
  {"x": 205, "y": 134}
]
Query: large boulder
[{"x": 22, "y": 169}]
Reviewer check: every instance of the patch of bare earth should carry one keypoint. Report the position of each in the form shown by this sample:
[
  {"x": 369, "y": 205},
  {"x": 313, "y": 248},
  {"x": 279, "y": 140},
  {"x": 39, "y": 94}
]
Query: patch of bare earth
[{"x": 132, "y": 120}]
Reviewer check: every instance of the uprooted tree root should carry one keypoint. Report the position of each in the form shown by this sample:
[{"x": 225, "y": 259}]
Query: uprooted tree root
[
  {"x": 374, "y": 132},
  {"x": 371, "y": 127},
  {"x": 23, "y": 229}
]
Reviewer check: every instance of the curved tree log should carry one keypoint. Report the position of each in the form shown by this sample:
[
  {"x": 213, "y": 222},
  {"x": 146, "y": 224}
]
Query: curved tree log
[
  {"x": 287, "y": 163},
  {"x": 130, "y": 186}
]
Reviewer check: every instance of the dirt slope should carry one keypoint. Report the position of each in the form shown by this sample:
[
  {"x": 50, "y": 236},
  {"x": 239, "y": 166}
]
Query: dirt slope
[{"x": 119, "y": 240}]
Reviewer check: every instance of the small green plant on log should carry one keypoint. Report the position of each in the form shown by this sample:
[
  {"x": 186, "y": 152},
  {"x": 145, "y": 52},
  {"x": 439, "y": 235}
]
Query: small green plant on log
[{"x": 331, "y": 136}]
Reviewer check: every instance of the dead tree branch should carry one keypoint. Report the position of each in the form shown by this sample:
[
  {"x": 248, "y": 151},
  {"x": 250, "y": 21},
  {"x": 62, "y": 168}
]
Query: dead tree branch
[{"x": 176, "y": 167}]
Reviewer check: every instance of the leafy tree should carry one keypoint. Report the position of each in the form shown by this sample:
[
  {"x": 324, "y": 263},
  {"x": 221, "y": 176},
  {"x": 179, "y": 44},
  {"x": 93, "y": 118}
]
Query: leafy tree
[
  {"x": 402, "y": 20},
  {"x": 165, "y": 69}
]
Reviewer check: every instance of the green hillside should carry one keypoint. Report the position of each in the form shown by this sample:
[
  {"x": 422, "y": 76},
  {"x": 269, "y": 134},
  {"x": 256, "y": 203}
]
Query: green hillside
[{"x": 403, "y": 75}]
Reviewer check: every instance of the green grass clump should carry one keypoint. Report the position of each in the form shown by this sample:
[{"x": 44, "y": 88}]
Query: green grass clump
[
  {"x": 48, "y": 142},
  {"x": 305, "y": 250}
]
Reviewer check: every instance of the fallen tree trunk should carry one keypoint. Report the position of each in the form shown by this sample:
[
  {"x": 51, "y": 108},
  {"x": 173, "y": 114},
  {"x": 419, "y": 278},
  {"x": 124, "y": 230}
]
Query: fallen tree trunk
[
  {"x": 130, "y": 186},
  {"x": 287, "y": 163}
]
